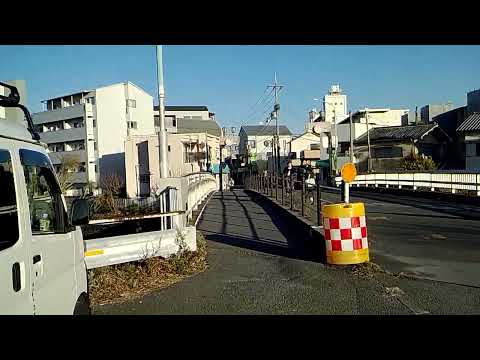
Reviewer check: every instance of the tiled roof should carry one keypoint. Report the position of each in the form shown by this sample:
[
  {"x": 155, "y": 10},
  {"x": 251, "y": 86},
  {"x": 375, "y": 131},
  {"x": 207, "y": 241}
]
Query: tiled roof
[
  {"x": 472, "y": 123},
  {"x": 397, "y": 133},
  {"x": 262, "y": 130}
]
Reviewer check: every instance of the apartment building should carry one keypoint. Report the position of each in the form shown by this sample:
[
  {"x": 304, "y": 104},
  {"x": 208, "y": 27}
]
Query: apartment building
[{"x": 91, "y": 126}]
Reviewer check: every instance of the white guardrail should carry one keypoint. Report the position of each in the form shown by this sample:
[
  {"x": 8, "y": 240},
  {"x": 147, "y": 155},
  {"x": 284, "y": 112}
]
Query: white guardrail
[
  {"x": 132, "y": 247},
  {"x": 413, "y": 180}
]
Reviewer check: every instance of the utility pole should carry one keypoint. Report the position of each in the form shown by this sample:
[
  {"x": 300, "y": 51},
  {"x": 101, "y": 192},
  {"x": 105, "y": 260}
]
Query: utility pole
[
  {"x": 276, "y": 87},
  {"x": 162, "y": 135},
  {"x": 368, "y": 141},
  {"x": 351, "y": 138}
]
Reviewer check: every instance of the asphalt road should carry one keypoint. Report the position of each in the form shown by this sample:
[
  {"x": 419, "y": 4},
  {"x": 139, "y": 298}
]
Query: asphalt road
[
  {"x": 427, "y": 238},
  {"x": 258, "y": 265}
]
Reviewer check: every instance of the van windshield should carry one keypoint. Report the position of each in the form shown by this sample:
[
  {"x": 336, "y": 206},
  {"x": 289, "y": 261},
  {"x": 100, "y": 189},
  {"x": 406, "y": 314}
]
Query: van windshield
[{"x": 8, "y": 202}]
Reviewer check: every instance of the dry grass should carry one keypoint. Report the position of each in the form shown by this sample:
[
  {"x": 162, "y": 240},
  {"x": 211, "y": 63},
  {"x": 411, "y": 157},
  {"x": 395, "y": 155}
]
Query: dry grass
[{"x": 118, "y": 283}]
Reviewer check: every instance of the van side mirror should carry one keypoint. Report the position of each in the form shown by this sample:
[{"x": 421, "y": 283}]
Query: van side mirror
[
  {"x": 80, "y": 212},
  {"x": 13, "y": 97}
]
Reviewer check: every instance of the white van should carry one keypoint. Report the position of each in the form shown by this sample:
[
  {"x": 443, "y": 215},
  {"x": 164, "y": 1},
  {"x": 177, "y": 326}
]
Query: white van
[{"x": 42, "y": 265}]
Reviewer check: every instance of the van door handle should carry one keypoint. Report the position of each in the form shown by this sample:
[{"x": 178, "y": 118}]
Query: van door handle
[
  {"x": 16, "y": 280},
  {"x": 36, "y": 259}
]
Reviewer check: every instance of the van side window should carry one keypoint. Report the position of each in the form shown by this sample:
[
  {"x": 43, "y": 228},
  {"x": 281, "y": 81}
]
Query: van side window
[
  {"x": 47, "y": 213},
  {"x": 8, "y": 203}
]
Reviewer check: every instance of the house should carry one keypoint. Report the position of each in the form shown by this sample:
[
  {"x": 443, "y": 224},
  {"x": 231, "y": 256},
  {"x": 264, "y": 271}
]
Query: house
[
  {"x": 193, "y": 147},
  {"x": 469, "y": 133},
  {"x": 389, "y": 145},
  {"x": 91, "y": 126},
  {"x": 301, "y": 143},
  {"x": 175, "y": 114},
  {"x": 256, "y": 141}
]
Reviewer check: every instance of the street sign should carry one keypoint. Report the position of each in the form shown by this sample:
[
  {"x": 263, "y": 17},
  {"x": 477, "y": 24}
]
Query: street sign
[
  {"x": 348, "y": 172},
  {"x": 322, "y": 127}
]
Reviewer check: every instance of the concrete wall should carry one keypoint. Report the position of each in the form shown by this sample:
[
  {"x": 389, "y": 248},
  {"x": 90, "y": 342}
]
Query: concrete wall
[
  {"x": 182, "y": 114},
  {"x": 428, "y": 112},
  {"x": 472, "y": 159},
  {"x": 473, "y": 101}
]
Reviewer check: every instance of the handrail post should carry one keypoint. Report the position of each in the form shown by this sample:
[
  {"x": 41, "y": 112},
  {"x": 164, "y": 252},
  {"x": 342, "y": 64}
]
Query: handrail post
[
  {"x": 319, "y": 200},
  {"x": 275, "y": 177},
  {"x": 292, "y": 187},
  {"x": 302, "y": 177}
]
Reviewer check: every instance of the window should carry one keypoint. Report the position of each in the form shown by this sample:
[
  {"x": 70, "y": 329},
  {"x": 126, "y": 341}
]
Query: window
[
  {"x": 8, "y": 203},
  {"x": 95, "y": 145},
  {"x": 174, "y": 122},
  {"x": 132, "y": 124},
  {"x": 387, "y": 152},
  {"x": 251, "y": 144},
  {"x": 477, "y": 149},
  {"x": 168, "y": 148},
  {"x": 94, "y": 123},
  {"x": 81, "y": 167},
  {"x": 188, "y": 154},
  {"x": 56, "y": 147},
  {"x": 144, "y": 178},
  {"x": 47, "y": 213},
  {"x": 90, "y": 100},
  {"x": 131, "y": 103},
  {"x": 96, "y": 170},
  {"x": 76, "y": 146}
]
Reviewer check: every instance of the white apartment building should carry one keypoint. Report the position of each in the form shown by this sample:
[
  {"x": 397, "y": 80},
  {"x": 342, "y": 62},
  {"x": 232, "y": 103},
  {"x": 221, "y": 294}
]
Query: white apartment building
[
  {"x": 92, "y": 126},
  {"x": 335, "y": 105}
]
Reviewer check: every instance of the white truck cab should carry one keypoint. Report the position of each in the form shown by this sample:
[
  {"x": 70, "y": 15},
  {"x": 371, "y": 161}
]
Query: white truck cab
[{"x": 42, "y": 264}]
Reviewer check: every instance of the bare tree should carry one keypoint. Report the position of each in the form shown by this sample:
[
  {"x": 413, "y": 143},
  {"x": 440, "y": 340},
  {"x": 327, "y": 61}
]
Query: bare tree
[
  {"x": 111, "y": 186},
  {"x": 68, "y": 166}
]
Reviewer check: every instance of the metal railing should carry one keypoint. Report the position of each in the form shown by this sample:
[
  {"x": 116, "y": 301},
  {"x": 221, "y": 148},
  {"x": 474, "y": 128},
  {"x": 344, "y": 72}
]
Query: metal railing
[
  {"x": 199, "y": 186},
  {"x": 453, "y": 182},
  {"x": 164, "y": 242}
]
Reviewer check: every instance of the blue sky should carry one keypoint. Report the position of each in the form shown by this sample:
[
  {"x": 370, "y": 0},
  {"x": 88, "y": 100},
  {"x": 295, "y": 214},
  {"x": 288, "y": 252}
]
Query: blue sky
[{"x": 230, "y": 79}]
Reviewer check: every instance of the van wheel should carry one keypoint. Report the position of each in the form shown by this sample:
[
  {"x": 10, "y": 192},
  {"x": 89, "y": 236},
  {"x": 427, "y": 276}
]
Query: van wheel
[{"x": 82, "y": 307}]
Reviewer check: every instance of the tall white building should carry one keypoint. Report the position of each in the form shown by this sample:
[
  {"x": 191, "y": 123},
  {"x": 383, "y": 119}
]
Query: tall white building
[
  {"x": 92, "y": 126},
  {"x": 335, "y": 105}
]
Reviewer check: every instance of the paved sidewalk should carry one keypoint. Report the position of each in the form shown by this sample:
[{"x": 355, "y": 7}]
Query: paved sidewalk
[{"x": 257, "y": 265}]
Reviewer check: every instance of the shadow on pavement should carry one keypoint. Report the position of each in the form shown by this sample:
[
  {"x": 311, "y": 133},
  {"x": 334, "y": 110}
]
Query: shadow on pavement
[{"x": 253, "y": 233}]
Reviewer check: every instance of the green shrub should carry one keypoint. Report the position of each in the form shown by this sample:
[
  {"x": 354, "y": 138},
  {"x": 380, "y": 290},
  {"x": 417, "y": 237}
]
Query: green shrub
[{"x": 417, "y": 162}]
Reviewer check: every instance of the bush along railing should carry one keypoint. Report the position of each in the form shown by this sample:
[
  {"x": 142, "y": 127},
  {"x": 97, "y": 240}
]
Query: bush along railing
[{"x": 453, "y": 182}]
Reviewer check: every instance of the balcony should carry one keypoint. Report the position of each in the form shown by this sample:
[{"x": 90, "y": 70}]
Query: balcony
[
  {"x": 66, "y": 113},
  {"x": 56, "y": 157},
  {"x": 63, "y": 135}
]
